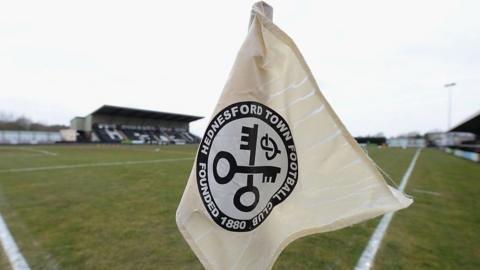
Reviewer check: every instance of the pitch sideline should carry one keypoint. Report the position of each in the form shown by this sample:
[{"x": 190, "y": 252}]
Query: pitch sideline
[
  {"x": 15, "y": 257},
  {"x": 366, "y": 259},
  {"x": 102, "y": 164}
]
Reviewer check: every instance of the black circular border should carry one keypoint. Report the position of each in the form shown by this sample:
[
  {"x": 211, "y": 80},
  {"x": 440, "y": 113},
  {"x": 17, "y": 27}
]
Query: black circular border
[{"x": 203, "y": 158}]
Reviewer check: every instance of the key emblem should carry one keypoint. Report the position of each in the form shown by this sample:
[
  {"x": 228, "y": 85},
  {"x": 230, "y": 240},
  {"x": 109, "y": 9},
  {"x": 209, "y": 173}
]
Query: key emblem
[{"x": 246, "y": 165}]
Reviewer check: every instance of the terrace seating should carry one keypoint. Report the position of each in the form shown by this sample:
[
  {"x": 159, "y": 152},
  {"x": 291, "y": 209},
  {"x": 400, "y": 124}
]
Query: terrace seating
[
  {"x": 113, "y": 133},
  {"x": 139, "y": 136},
  {"x": 162, "y": 137},
  {"x": 143, "y": 135},
  {"x": 107, "y": 134},
  {"x": 131, "y": 134},
  {"x": 191, "y": 138}
]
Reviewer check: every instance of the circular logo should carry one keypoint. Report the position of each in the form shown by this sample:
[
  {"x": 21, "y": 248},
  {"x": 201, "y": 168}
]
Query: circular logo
[{"x": 246, "y": 165}]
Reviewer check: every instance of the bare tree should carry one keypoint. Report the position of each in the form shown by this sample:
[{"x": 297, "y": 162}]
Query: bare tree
[{"x": 9, "y": 122}]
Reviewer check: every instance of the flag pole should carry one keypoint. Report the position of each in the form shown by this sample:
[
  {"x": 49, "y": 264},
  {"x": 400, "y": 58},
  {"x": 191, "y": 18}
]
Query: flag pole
[{"x": 263, "y": 8}]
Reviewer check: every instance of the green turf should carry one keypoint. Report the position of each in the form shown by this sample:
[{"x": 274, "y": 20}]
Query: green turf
[
  {"x": 4, "y": 264},
  {"x": 441, "y": 230},
  {"x": 115, "y": 217},
  {"x": 123, "y": 216}
]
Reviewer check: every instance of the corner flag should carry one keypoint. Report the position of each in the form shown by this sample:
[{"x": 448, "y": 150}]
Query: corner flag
[{"x": 275, "y": 163}]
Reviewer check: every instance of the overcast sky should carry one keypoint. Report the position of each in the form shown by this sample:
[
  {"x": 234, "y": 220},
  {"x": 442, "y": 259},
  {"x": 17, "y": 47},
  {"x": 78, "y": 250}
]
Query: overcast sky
[{"x": 381, "y": 64}]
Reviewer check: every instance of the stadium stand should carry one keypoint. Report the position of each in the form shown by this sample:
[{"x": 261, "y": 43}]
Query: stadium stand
[
  {"x": 471, "y": 125},
  {"x": 469, "y": 147},
  {"x": 107, "y": 133},
  {"x": 112, "y": 124},
  {"x": 371, "y": 140}
]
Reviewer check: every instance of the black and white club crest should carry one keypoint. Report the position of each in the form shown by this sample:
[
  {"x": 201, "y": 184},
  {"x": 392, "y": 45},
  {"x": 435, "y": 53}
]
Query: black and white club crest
[{"x": 246, "y": 165}]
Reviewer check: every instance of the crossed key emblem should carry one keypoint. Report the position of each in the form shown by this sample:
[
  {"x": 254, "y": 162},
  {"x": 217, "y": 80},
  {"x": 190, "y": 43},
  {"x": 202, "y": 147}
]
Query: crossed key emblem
[{"x": 269, "y": 173}]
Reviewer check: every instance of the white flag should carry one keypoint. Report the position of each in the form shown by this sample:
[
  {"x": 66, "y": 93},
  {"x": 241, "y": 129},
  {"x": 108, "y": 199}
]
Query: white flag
[{"x": 275, "y": 163}]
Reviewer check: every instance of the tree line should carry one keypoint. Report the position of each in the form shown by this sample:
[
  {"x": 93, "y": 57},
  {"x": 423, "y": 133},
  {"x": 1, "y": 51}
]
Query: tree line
[{"x": 11, "y": 122}]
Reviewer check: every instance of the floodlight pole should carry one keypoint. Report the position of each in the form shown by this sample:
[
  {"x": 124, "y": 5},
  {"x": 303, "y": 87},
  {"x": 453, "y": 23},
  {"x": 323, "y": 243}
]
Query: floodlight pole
[{"x": 449, "y": 87}]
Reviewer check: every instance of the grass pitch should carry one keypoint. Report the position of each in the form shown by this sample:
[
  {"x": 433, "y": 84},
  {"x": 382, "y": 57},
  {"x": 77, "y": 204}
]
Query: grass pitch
[
  {"x": 113, "y": 207},
  {"x": 441, "y": 230}
]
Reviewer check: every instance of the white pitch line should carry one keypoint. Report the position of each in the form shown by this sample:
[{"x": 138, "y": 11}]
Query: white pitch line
[
  {"x": 45, "y": 152},
  {"x": 84, "y": 165},
  {"x": 29, "y": 149},
  {"x": 427, "y": 192},
  {"x": 366, "y": 260},
  {"x": 15, "y": 257}
]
